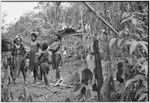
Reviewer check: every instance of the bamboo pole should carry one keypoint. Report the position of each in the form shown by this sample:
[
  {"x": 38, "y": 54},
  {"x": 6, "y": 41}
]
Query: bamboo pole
[{"x": 100, "y": 18}]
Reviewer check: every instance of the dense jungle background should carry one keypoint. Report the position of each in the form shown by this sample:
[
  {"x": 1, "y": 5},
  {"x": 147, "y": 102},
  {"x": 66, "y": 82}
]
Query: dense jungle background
[{"x": 118, "y": 34}]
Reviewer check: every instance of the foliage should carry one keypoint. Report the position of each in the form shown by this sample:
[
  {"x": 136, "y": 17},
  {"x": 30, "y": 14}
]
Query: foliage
[
  {"x": 133, "y": 48},
  {"x": 129, "y": 19}
]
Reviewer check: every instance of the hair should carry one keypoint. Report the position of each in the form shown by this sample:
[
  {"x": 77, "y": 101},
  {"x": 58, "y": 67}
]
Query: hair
[
  {"x": 17, "y": 39},
  {"x": 34, "y": 34},
  {"x": 44, "y": 46}
]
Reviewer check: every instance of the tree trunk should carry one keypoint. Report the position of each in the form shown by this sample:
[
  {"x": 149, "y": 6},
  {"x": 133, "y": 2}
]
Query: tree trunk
[{"x": 98, "y": 67}]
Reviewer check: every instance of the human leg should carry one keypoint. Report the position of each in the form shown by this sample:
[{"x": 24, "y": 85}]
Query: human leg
[
  {"x": 23, "y": 71},
  {"x": 57, "y": 73},
  {"x": 45, "y": 78}
]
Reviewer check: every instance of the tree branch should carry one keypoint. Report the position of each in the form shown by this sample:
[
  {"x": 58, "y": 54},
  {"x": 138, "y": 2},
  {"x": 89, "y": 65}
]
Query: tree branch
[{"x": 100, "y": 18}]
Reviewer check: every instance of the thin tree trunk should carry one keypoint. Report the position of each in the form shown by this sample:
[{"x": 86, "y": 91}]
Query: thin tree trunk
[{"x": 98, "y": 67}]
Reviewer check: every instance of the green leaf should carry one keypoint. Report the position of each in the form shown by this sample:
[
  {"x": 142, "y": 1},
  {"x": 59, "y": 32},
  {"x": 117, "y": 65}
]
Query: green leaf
[
  {"x": 144, "y": 95},
  {"x": 137, "y": 77},
  {"x": 112, "y": 42}
]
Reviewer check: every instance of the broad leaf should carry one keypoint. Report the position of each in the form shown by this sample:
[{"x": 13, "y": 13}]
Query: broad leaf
[
  {"x": 144, "y": 95},
  {"x": 145, "y": 83},
  {"x": 112, "y": 42},
  {"x": 145, "y": 68},
  {"x": 137, "y": 77},
  {"x": 140, "y": 91},
  {"x": 129, "y": 41},
  {"x": 143, "y": 44},
  {"x": 133, "y": 46},
  {"x": 130, "y": 60}
]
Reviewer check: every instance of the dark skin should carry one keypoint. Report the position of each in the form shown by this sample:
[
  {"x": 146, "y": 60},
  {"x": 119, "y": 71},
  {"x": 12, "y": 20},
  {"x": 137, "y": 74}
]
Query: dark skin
[
  {"x": 18, "y": 42},
  {"x": 33, "y": 39}
]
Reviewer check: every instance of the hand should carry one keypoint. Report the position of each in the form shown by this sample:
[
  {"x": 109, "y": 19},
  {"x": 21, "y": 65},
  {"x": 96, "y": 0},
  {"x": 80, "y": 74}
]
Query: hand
[{"x": 37, "y": 53}]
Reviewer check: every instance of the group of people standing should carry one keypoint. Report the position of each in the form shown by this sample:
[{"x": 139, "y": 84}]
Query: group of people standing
[{"x": 39, "y": 59}]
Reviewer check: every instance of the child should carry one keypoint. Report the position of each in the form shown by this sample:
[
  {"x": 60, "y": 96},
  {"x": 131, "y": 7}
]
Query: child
[{"x": 43, "y": 62}]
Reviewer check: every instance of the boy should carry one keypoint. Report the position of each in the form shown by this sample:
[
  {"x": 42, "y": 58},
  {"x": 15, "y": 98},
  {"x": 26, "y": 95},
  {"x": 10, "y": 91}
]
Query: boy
[{"x": 43, "y": 62}]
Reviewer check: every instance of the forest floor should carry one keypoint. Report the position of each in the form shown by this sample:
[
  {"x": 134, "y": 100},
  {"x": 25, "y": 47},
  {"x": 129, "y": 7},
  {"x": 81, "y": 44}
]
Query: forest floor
[{"x": 42, "y": 93}]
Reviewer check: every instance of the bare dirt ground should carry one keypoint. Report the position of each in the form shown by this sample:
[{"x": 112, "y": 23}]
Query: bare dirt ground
[{"x": 42, "y": 93}]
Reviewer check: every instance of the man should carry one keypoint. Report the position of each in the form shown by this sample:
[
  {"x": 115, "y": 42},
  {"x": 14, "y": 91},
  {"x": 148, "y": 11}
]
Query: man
[
  {"x": 18, "y": 53},
  {"x": 56, "y": 57},
  {"x": 34, "y": 48}
]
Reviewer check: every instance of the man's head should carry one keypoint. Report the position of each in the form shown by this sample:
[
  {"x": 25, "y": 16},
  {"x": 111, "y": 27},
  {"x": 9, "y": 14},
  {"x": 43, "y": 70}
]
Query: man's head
[
  {"x": 18, "y": 40},
  {"x": 33, "y": 36}
]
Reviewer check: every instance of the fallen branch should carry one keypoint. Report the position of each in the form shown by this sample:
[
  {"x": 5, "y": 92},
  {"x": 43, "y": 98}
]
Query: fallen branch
[
  {"x": 100, "y": 18},
  {"x": 60, "y": 81}
]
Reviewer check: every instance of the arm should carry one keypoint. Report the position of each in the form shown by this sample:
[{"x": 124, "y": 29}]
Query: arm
[
  {"x": 12, "y": 51},
  {"x": 23, "y": 50},
  {"x": 39, "y": 48},
  {"x": 58, "y": 47},
  {"x": 55, "y": 47},
  {"x": 38, "y": 45}
]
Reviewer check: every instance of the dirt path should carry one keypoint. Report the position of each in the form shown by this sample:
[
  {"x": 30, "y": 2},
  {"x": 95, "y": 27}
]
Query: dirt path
[{"x": 40, "y": 92}]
